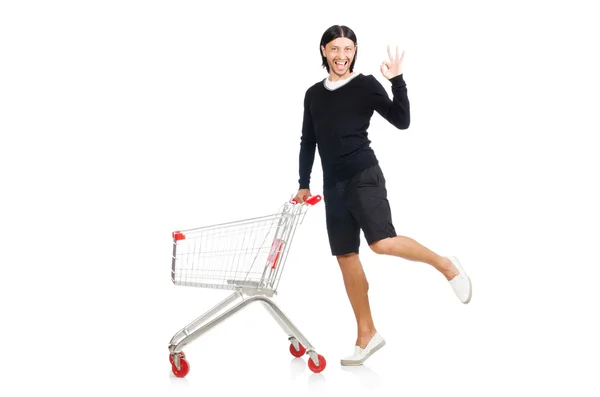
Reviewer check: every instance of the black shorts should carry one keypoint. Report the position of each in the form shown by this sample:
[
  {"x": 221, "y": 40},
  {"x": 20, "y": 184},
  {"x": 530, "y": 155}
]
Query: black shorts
[{"x": 358, "y": 203}]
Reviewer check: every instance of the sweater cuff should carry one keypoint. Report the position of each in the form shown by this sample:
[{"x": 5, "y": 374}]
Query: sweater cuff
[{"x": 398, "y": 81}]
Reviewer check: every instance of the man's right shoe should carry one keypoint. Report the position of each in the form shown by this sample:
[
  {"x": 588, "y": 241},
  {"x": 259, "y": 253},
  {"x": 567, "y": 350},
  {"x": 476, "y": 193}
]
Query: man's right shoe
[{"x": 361, "y": 355}]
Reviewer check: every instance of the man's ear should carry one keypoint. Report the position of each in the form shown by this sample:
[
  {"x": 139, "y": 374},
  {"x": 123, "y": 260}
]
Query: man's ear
[{"x": 323, "y": 51}]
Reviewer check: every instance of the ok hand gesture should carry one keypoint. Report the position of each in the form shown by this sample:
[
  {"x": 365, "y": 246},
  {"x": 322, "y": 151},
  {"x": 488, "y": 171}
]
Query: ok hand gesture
[{"x": 393, "y": 67}]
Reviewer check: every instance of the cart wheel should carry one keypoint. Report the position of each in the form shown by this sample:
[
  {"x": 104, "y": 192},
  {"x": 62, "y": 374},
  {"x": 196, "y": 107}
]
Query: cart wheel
[
  {"x": 181, "y": 354},
  {"x": 297, "y": 353},
  {"x": 313, "y": 367},
  {"x": 185, "y": 368}
]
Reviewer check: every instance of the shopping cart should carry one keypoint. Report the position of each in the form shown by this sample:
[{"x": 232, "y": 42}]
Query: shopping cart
[{"x": 247, "y": 257}]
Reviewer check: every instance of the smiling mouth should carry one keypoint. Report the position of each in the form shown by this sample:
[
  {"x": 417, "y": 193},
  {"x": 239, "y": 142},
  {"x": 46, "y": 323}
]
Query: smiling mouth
[{"x": 341, "y": 63}]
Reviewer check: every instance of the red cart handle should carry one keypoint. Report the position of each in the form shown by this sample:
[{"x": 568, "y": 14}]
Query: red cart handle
[{"x": 310, "y": 201}]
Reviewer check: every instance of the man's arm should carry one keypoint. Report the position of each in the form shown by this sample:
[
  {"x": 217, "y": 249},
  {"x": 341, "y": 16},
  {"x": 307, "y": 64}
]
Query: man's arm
[
  {"x": 397, "y": 110},
  {"x": 308, "y": 144}
]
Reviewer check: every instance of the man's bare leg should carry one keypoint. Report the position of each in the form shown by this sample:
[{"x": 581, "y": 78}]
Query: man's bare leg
[
  {"x": 409, "y": 249},
  {"x": 357, "y": 288}
]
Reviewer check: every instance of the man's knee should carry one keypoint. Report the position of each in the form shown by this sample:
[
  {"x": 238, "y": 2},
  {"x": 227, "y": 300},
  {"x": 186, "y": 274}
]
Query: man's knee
[
  {"x": 351, "y": 268},
  {"x": 382, "y": 247},
  {"x": 345, "y": 258}
]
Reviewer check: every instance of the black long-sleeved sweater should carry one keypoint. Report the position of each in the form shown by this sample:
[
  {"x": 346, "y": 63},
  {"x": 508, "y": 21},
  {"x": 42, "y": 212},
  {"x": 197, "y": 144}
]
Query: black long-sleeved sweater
[{"x": 336, "y": 121}]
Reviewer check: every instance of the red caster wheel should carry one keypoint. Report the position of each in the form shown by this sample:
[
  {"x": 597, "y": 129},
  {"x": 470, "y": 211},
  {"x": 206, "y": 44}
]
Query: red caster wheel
[
  {"x": 313, "y": 367},
  {"x": 181, "y": 354},
  {"x": 297, "y": 353},
  {"x": 185, "y": 368}
]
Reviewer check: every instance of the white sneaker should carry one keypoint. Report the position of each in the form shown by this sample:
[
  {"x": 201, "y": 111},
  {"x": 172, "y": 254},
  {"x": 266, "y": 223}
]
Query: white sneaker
[
  {"x": 361, "y": 355},
  {"x": 461, "y": 283}
]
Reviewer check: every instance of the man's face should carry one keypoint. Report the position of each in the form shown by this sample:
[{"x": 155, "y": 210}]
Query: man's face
[{"x": 340, "y": 54}]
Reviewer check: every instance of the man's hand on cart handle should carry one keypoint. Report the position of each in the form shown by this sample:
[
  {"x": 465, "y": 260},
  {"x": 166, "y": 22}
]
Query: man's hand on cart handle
[{"x": 304, "y": 196}]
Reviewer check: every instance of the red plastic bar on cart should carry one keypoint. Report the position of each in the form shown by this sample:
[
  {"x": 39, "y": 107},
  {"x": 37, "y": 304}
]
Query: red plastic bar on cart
[
  {"x": 178, "y": 236},
  {"x": 275, "y": 251}
]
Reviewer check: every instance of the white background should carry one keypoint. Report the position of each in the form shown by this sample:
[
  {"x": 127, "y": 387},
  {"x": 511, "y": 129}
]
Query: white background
[{"x": 122, "y": 121}]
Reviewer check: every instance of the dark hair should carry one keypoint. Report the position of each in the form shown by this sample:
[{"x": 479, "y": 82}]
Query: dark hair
[{"x": 335, "y": 32}]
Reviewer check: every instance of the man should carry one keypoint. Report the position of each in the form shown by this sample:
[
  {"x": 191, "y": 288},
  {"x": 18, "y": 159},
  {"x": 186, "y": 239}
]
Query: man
[{"x": 337, "y": 113}]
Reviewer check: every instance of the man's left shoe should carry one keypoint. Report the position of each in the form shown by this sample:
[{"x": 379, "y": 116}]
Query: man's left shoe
[
  {"x": 461, "y": 283},
  {"x": 361, "y": 355}
]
